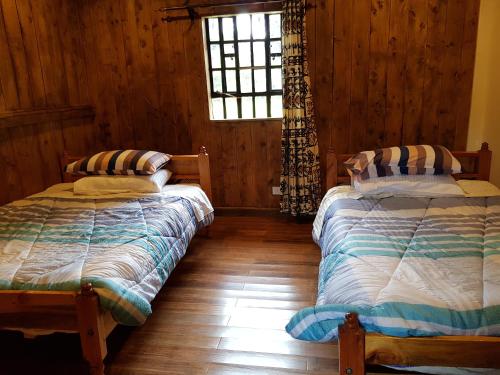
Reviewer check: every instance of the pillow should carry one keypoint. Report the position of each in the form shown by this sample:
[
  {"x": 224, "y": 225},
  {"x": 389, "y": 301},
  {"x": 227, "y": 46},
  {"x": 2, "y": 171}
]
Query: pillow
[
  {"x": 57, "y": 188},
  {"x": 120, "y": 162},
  {"x": 477, "y": 188},
  {"x": 102, "y": 185},
  {"x": 404, "y": 160},
  {"x": 410, "y": 186}
]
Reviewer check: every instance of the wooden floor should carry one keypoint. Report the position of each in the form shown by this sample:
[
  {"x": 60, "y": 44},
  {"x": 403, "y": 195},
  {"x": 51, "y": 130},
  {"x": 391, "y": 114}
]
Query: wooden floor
[{"x": 222, "y": 311}]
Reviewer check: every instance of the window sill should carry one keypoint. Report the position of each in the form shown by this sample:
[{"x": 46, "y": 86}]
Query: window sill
[{"x": 244, "y": 120}]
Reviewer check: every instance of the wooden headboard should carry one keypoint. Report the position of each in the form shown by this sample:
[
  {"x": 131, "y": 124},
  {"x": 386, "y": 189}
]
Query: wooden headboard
[
  {"x": 184, "y": 168},
  {"x": 477, "y": 165}
]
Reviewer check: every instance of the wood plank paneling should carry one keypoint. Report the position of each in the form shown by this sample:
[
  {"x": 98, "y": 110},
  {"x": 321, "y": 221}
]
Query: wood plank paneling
[
  {"x": 229, "y": 162},
  {"x": 42, "y": 68},
  {"x": 384, "y": 72},
  {"x": 71, "y": 45},
  {"x": 17, "y": 52},
  {"x": 323, "y": 76},
  {"x": 29, "y": 117},
  {"x": 47, "y": 23},
  {"x": 453, "y": 38},
  {"x": 415, "y": 68},
  {"x": 245, "y": 166},
  {"x": 260, "y": 144},
  {"x": 396, "y": 64},
  {"x": 8, "y": 78},
  {"x": 434, "y": 55},
  {"x": 466, "y": 73},
  {"x": 399, "y": 79},
  {"x": 342, "y": 66},
  {"x": 107, "y": 75},
  {"x": 141, "y": 70},
  {"x": 359, "y": 75},
  {"x": 179, "y": 67},
  {"x": 198, "y": 92},
  {"x": 377, "y": 74},
  {"x": 35, "y": 74},
  {"x": 10, "y": 171}
]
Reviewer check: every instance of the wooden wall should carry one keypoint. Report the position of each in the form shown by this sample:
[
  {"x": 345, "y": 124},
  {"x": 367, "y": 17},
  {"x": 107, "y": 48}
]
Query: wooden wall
[
  {"x": 147, "y": 79},
  {"x": 384, "y": 72},
  {"x": 393, "y": 72},
  {"x": 41, "y": 69}
]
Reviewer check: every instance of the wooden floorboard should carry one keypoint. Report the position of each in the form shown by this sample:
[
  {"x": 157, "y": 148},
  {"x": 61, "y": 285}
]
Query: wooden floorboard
[{"x": 222, "y": 311}]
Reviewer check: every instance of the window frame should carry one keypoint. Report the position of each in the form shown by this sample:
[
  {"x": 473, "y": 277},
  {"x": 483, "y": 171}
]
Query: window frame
[{"x": 268, "y": 93}]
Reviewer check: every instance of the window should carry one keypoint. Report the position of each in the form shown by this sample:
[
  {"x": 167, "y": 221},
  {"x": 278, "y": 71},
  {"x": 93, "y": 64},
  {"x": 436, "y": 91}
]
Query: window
[{"x": 244, "y": 66}]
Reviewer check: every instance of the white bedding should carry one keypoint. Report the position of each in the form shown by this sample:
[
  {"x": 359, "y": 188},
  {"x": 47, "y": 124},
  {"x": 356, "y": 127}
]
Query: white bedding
[
  {"x": 126, "y": 245},
  {"x": 193, "y": 192},
  {"x": 471, "y": 188}
]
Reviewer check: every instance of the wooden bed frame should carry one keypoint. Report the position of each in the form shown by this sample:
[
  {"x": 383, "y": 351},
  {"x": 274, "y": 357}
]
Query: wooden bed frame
[
  {"x": 79, "y": 311},
  {"x": 336, "y": 174},
  {"x": 358, "y": 348},
  {"x": 184, "y": 167}
]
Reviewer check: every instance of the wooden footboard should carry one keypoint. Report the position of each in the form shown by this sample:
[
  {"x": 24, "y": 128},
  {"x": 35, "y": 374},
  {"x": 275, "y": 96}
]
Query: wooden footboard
[
  {"x": 94, "y": 326},
  {"x": 351, "y": 346},
  {"x": 357, "y": 349},
  {"x": 77, "y": 312}
]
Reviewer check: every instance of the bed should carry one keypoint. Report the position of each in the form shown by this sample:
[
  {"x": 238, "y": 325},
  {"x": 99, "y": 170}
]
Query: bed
[
  {"x": 407, "y": 282},
  {"x": 85, "y": 264}
]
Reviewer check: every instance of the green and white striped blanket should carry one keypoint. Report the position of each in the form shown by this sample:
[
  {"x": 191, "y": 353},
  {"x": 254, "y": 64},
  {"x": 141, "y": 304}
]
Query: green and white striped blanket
[
  {"x": 125, "y": 245},
  {"x": 407, "y": 266}
]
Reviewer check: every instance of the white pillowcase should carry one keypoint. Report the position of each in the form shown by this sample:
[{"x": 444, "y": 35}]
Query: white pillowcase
[
  {"x": 102, "y": 185},
  {"x": 478, "y": 188},
  {"x": 410, "y": 186},
  {"x": 57, "y": 188}
]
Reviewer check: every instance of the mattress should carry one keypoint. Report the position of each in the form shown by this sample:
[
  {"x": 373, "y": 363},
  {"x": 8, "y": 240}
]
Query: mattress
[
  {"x": 126, "y": 245},
  {"x": 407, "y": 266}
]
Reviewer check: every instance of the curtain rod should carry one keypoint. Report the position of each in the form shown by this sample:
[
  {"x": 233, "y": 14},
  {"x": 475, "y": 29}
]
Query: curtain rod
[
  {"x": 193, "y": 14},
  {"x": 229, "y": 3}
]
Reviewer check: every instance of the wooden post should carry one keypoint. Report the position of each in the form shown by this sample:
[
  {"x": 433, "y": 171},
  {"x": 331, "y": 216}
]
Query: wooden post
[
  {"x": 331, "y": 169},
  {"x": 204, "y": 170},
  {"x": 64, "y": 162},
  {"x": 351, "y": 347},
  {"x": 92, "y": 330},
  {"x": 484, "y": 163}
]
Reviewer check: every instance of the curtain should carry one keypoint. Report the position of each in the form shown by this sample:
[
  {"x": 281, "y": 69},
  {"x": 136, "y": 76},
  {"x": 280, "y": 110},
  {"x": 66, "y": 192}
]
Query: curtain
[{"x": 300, "y": 170}]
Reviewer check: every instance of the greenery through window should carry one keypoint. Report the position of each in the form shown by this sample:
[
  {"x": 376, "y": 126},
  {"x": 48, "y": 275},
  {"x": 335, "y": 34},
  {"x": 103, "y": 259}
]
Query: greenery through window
[{"x": 244, "y": 66}]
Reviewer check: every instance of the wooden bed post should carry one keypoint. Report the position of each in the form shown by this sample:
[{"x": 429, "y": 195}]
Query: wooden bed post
[
  {"x": 484, "y": 163},
  {"x": 331, "y": 169},
  {"x": 204, "y": 168},
  {"x": 92, "y": 330},
  {"x": 351, "y": 346}
]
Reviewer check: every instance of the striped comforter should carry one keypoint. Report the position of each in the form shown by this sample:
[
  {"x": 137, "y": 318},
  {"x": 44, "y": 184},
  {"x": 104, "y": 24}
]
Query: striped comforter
[
  {"x": 126, "y": 247},
  {"x": 407, "y": 266}
]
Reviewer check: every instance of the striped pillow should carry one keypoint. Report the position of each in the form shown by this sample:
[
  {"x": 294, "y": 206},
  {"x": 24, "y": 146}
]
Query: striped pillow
[
  {"x": 404, "y": 160},
  {"x": 120, "y": 162}
]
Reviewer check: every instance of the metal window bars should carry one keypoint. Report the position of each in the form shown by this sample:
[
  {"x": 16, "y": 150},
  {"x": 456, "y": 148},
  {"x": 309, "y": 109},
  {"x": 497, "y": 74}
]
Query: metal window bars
[{"x": 229, "y": 68}]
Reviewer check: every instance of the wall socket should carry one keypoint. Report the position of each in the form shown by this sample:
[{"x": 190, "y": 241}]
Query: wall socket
[{"x": 276, "y": 190}]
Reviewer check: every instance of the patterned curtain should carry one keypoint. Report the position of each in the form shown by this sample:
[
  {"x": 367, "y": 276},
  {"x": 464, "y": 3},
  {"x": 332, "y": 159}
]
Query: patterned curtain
[{"x": 300, "y": 171}]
